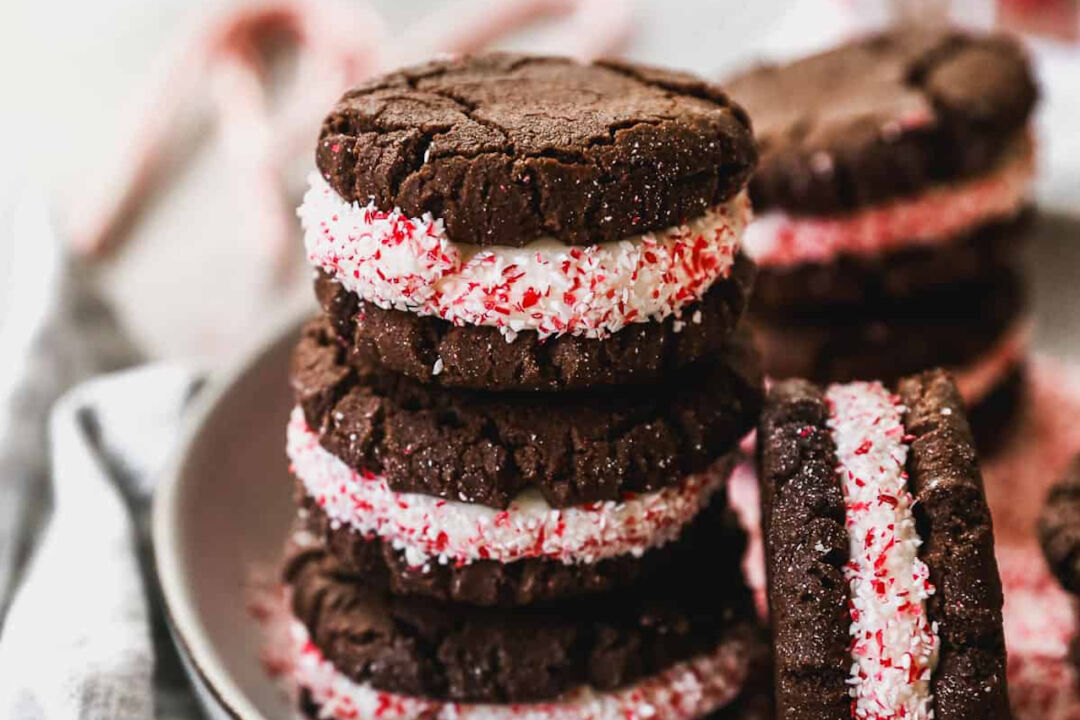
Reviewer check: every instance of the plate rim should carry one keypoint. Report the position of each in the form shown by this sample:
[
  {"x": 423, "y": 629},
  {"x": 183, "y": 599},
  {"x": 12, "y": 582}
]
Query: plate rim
[{"x": 185, "y": 627}]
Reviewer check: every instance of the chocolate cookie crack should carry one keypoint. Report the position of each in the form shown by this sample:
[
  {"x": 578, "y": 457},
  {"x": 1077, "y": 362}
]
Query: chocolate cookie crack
[{"x": 677, "y": 83}]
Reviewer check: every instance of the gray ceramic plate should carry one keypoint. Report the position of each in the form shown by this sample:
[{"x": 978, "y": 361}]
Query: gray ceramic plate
[
  {"x": 225, "y": 506},
  {"x": 222, "y": 510}
]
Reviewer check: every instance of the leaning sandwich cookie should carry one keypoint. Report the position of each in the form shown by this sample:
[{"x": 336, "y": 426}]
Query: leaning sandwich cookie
[{"x": 883, "y": 587}]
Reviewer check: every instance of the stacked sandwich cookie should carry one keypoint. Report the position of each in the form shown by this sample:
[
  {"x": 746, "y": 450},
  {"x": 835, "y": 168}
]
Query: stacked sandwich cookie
[
  {"x": 892, "y": 199},
  {"x": 518, "y": 411},
  {"x": 883, "y": 586}
]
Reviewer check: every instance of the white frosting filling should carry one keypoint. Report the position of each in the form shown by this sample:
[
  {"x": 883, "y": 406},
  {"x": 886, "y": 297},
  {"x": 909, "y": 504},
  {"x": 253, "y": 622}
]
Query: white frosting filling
[
  {"x": 894, "y": 645},
  {"x": 409, "y": 264},
  {"x": 685, "y": 691},
  {"x": 429, "y": 528}
]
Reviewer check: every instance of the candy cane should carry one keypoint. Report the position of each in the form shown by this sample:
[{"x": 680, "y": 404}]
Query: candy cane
[{"x": 337, "y": 45}]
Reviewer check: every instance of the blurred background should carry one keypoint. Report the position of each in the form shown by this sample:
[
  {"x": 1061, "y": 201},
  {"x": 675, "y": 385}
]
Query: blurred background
[
  {"x": 152, "y": 153},
  {"x": 123, "y": 115}
]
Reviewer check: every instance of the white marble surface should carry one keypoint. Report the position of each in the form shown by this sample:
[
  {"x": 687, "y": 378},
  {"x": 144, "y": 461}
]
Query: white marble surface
[{"x": 186, "y": 284}]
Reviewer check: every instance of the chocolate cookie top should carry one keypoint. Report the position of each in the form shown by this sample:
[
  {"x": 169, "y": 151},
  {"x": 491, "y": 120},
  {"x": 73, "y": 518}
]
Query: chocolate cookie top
[
  {"x": 436, "y": 352},
  {"x": 508, "y": 148},
  {"x": 574, "y": 447},
  {"x": 713, "y": 539},
  {"x": 423, "y": 648},
  {"x": 883, "y": 116},
  {"x": 810, "y": 524},
  {"x": 1059, "y": 529}
]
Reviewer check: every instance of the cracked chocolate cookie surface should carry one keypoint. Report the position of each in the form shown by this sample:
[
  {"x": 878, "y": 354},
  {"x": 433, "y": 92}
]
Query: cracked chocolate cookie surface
[
  {"x": 883, "y": 116},
  {"x": 508, "y": 148},
  {"x": 573, "y": 447}
]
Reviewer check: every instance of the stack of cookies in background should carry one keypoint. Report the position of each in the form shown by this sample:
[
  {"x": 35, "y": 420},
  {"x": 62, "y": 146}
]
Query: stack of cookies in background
[
  {"x": 891, "y": 200},
  {"x": 518, "y": 411}
]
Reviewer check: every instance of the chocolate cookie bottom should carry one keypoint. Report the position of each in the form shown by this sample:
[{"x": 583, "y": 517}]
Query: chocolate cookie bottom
[
  {"x": 435, "y": 352},
  {"x": 713, "y": 539},
  {"x": 423, "y": 649},
  {"x": 892, "y": 279},
  {"x": 950, "y": 329}
]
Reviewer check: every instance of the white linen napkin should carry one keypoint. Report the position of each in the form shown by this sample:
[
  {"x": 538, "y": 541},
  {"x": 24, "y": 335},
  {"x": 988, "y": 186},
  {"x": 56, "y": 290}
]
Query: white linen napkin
[
  {"x": 82, "y": 636},
  {"x": 79, "y": 640}
]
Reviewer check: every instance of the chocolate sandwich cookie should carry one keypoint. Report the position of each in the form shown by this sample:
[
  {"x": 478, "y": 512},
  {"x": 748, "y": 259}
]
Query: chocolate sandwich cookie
[
  {"x": 434, "y": 351},
  {"x": 893, "y": 202},
  {"x": 505, "y": 222},
  {"x": 883, "y": 587},
  {"x": 574, "y": 448},
  {"x": 1059, "y": 529},
  {"x": 416, "y": 648},
  {"x": 882, "y": 117},
  {"x": 506, "y": 148},
  {"x": 712, "y": 538}
]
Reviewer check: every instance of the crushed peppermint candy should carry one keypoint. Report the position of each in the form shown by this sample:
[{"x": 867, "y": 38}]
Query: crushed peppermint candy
[
  {"x": 592, "y": 291},
  {"x": 894, "y": 645},
  {"x": 685, "y": 691},
  {"x": 428, "y": 528},
  {"x": 937, "y": 215}
]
